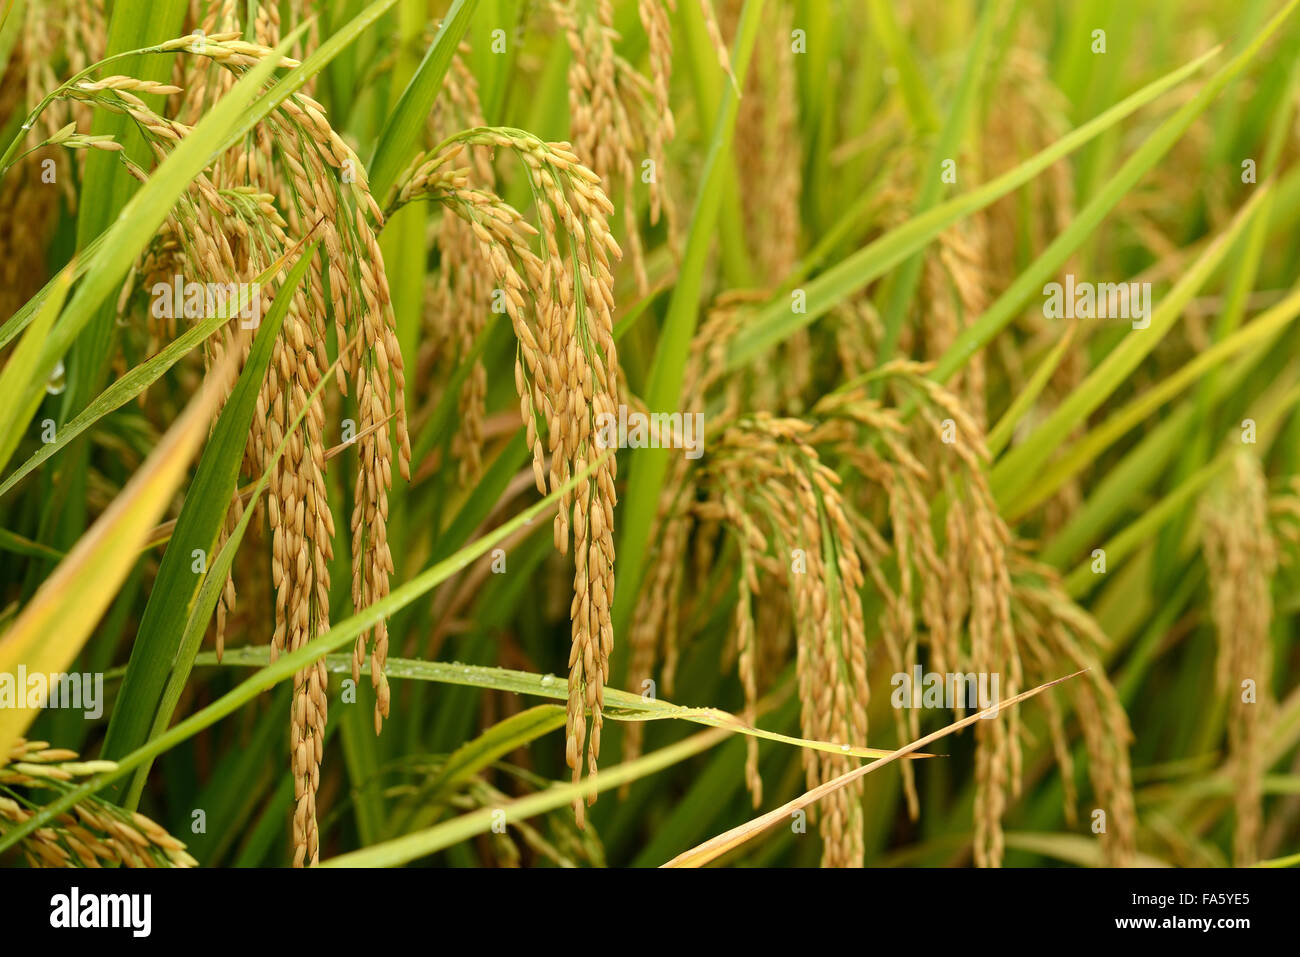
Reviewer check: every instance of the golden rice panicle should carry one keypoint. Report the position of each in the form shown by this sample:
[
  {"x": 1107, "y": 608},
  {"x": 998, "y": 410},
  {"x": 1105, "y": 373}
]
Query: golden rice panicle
[
  {"x": 615, "y": 113},
  {"x": 30, "y": 203},
  {"x": 299, "y": 165},
  {"x": 376, "y": 397},
  {"x": 591, "y": 386},
  {"x": 94, "y": 833},
  {"x": 1032, "y": 114},
  {"x": 560, "y": 306},
  {"x": 993, "y": 648},
  {"x": 953, "y": 294},
  {"x": 654, "y": 15},
  {"x": 939, "y": 451},
  {"x": 770, "y": 166},
  {"x": 1241, "y": 558},
  {"x": 809, "y": 545},
  {"x": 301, "y": 523},
  {"x": 1057, "y": 634},
  {"x": 900, "y": 476},
  {"x": 328, "y": 172},
  {"x": 582, "y": 374},
  {"x": 463, "y": 291},
  {"x": 302, "y": 534},
  {"x": 768, "y": 152}
]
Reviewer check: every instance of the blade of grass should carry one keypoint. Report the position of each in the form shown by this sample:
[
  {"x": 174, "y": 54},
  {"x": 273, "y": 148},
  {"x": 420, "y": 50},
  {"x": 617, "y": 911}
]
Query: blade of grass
[
  {"x": 1001, "y": 433},
  {"x": 237, "y": 786},
  {"x": 19, "y": 377},
  {"x": 496, "y": 742},
  {"x": 916, "y": 93},
  {"x": 619, "y": 705},
  {"x": 11, "y": 542},
  {"x": 51, "y": 628},
  {"x": 708, "y": 83}
]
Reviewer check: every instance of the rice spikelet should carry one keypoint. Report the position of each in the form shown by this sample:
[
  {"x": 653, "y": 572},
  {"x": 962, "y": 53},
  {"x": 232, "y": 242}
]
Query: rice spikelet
[{"x": 1241, "y": 557}]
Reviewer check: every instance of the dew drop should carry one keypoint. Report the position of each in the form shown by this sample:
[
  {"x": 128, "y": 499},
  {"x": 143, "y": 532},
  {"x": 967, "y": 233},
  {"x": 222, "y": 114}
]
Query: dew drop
[{"x": 58, "y": 380}]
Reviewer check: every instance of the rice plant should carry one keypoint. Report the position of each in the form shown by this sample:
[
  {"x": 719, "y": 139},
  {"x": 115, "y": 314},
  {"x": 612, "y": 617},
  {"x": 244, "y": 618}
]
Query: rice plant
[{"x": 418, "y": 415}]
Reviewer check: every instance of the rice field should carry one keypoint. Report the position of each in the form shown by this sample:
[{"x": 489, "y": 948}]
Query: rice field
[{"x": 584, "y": 433}]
